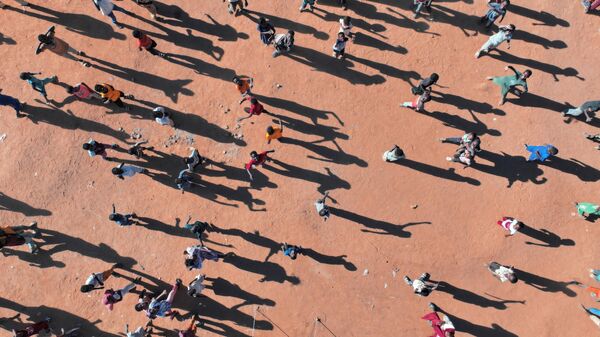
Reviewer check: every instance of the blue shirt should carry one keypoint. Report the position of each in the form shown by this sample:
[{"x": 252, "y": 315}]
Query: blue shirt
[{"x": 539, "y": 152}]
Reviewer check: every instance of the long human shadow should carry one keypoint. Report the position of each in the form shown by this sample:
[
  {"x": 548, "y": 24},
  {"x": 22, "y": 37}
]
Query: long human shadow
[
  {"x": 171, "y": 88},
  {"x": 68, "y": 120},
  {"x": 259, "y": 182},
  {"x": 328, "y": 155},
  {"x": 205, "y": 306},
  {"x": 175, "y": 16},
  {"x": 59, "y": 317},
  {"x": 459, "y": 123},
  {"x": 546, "y": 237},
  {"x": 11, "y": 204},
  {"x": 325, "y": 132},
  {"x": 189, "y": 41},
  {"x": 374, "y": 28},
  {"x": 464, "y": 22},
  {"x": 327, "y": 64},
  {"x": 478, "y": 330},
  {"x": 369, "y": 41},
  {"x": 313, "y": 114},
  {"x": 6, "y": 40},
  {"x": 543, "y": 18},
  {"x": 575, "y": 167},
  {"x": 370, "y": 13},
  {"x": 463, "y": 103},
  {"x": 448, "y": 174},
  {"x": 326, "y": 182},
  {"x": 329, "y": 259},
  {"x": 545, "y": 284},
  {"x": 376, "y": 226},
  {"x": 188, "y": 122},
  {"x": 534, "y": 64},
  {"x": 201, "y": 67},
  {"x": 211, "y": 191},
  {"x": 223, "y": 288},
  {"x": 284, "y": 24},
  {"x": 513, "y": 168},
  {"x": 78, "y": 23},
  {"x": 385, "y": 69},
  {"x": 254, "y": 238},
  {"x": 271, "y": 272},
  {"x": 467, "y": 296},
  {"x": 528, "y": 37}
]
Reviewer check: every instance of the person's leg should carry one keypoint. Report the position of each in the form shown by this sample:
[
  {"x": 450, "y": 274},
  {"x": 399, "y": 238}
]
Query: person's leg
[
  {"x": 33, "y": 247},
  {"x": 408, "y": 280},
  {"x": 595, "y": 5},
  {"x": 120, "y": 9},
  {"x": 172, "y": 293},
  {"x": 126, "y": 289},
  {"x": 113, "y": 18},
  {"x": 424, "y": 277},
  {"x": 452, "y": 140},
  {"x": 119, "y": 103}
]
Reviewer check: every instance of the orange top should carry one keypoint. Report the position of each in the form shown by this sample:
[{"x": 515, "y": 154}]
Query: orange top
[
  {"x": 277, "y": 133},
  {"x": 594, "y": 291},
  {"x": 112, "y": 94},
  {"x": 243, "y": 86}
]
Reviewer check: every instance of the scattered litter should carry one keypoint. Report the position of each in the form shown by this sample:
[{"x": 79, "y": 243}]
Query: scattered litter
[
  {"x": 224, "y": 151},
  {"x": 136, "y": 134},
  {"x": 278, "y": 86},
  {"x": 414, "y": 206},
  {"x": 2, "y": 137},
  {"x": 395, "y": 272},
  {"x": 226, "y": 127},
  {"x": 385, "y": 286},
  {"x": 238, "y": 136},
  {"x": 366, "y": 272}
]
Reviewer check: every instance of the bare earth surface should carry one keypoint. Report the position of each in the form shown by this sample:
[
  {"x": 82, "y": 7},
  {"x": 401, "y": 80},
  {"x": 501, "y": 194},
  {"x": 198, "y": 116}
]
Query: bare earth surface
[{"x": 340, "y": 116}]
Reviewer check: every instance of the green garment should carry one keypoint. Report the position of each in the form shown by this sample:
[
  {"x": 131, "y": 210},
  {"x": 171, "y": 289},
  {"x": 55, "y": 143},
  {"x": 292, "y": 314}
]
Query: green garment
[
  {"x": 588, "y": 208},
  {"x": 508, "y": 82}
]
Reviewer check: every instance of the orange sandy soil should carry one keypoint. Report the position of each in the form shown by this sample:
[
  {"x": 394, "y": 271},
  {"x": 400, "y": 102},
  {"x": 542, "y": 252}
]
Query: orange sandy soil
[{"x": 340, "y": 116}]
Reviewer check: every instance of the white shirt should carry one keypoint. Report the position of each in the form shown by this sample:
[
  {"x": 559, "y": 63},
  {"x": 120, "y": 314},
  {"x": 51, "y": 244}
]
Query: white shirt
[
  {"x": 129, "y": 171},
  {"x": 418, "y": 286},
  {"x": 509, "y": 225},
  {"x": 139, "y": 332},
  {"x": 197, "y": 284},
  {"x": 164, "y": 121},
  {"x": 345, "y": 29},
  {"x": 503, "y": 273},
  {"x": 106, "y": 6},
  {"x": 92, "y": 280}
]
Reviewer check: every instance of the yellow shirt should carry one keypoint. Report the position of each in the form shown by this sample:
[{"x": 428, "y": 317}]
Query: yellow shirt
[{"x": 277, "y": 133}]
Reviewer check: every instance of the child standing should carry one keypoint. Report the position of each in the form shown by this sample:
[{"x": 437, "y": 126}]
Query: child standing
[
  {"x": 339, "y": 47},
  {"x": 421, "y": 286},
  {"x": 346, "y": 27},
  {"x": 145, "y": 42},
  {"x": 291, "y": 250},
  {"x": 419, "y": 102},
  {"x": 162, "y": 117},
  {"x": 37, "y": 84},
  {"x": 244, "y": 85},
  {"x": 110, "y": 94},
  {"x": 585, "y": 209},
  {"x": 274, "y": 133},
  {"x": 254, "y": 110},
  {"x": 511, "y": 225},
  {"x": 82, "y": 91},
  {"x": 496, "y": 10},
  {"x": 162, "y": 308},
  {"x": 121, "y": 219},
  {"x": 257, "y": 159},
  {"x": 96, "y": 280},
  {"x": 96, "y": 148},
  {"x": 322, "y": 209},
  {"x": 266, "y": 31},
  {"x": 111, "y": 297},
  {"x": 509, "y": 83},
  {"x": 394, "y": 154},
  {"x": 50, "y": 42},
  {"x": 503, "y": 273},
  {"x": 283, "y": 43},
  {"x": 504, "y": 34},
  {"x": 123, "y": 170}
]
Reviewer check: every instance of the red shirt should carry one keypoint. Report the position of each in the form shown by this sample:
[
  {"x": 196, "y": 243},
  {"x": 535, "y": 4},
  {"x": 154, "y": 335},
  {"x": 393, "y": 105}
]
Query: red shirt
[
  {"x": 256, "y": 109},
  {"x": 144, "y": 41},
  {"x": 261, "y": 159}
]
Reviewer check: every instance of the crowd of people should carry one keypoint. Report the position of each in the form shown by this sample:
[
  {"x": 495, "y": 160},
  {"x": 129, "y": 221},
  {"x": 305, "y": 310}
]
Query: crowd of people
[{"x": 156, "y": 305}]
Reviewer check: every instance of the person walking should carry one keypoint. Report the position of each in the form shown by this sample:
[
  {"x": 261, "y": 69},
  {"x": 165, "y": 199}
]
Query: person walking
[
  {"x": 13, "y": 103},
  {"x": 266, "y": 31},
  {"x": 82, "y": 91},
  {"x": 587, "y": 109},
  {"x": 394, "y": 154},
  {"x": 442, "y": 327},
  {"x": 244, "y": 85},
  {"x": 137, "y": 149},
  {"x": 283, "y": 43},
  {"x": 193, "y": 160},
  {"x": 196, "y": 286},
  {"x": 425, "y": 83},
  {"x": 160, "y": 307},
  {"x": 96, "y": 280},
  {"x": 184, "y": 180},
  {"x": 291, "y": 251},
  {"x": 505, "y": 33},
  {"x": 95, "y": 148},
  {"x": 257, "y": 159},
  {"x": 48, "y": 41},
  {"x": 308, "y": 3},
  {"x": 509, "y": 83},
  {"x": 339, "y": 47},
  {"x": 145, "y": 42},
  {"x": 419, "y": 5},
  {"x": 123, "y": 170},
  {"x": 111, "y": 297},
  {"x": 495, "y": 10},
  {"x": 38, "y": 85},
  {"x": 14, "y": 236},
  {"x": 511, "y": 225},
  {"x": 107, "y": 7},
  {"x": 541, "y": 153},
  {"x": 255, "y": 108},
  {"x": 149, "y": 6},
  {"x": 162, "y": 117},
  {"x": 122, "y": 219},
  {"x": 274, "y": 133},
  {"x": 322, "y": 209},
  {"x": 198, "y": 228},
  {"x": 587, "y": 209},
  {"x": 418, "y": 103},
  {"x": 503, "y": 273},
  {"x": 421, "y": 286},
  {"x": 110, "y": 94},
  {"x": 195, "y": 255}
]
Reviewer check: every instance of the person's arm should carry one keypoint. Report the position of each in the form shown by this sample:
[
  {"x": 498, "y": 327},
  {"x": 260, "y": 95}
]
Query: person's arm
[
  {"x": 250, "y": 174},
  {"x": 588, "y": 118},
  {"x": 126, "y": 328},
  {"x": 513, "y": 69},
  {"x": 280, "y": 125},
  {"x": 40, "y": 48},
  {"x": 502, "y": 16},
  {"x": 250, "y": 79},
  {"x": 121, "y": 165}
]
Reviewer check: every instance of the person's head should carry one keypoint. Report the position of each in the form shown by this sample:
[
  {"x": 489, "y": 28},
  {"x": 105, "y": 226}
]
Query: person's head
[
  {"x": 25, "y": 76},
  {"x": 291, "y": 33},
  {"x": 87, "y": 146},
  {"x": 341, "y": 36},
  {"x": 347, "y": 20},
  {"x": 449, "y": 334},
  {"x": 254, "y": 155},
  {"x": 139, "y": 307},
  {"x": 70, "y": 89},
  {"x": 137, "y": 34},
  {"x": 324, "y": 212},
  {"x": 236, "y": 80},
  {"x": 253, "y": 101},
  {"x": 512, "y": 278},
  {"x": 434, "y": 77},
  {"x": 527, "y": 73},
  {"x": 270, "y": 130},
  {"x": 552, "y": 150},
  {"x": 131, "y": 151},
  {"x": 44, "y": 38},
  {"x": 100, "y": 88},
  {"x": 262, "y": 21},
  {"x": 511, "y": 27},
  {"x": 157, "y": 114},
  {"x": 189, "y": 262},
  {"x": 111, "y": 217},
  {"x": 86, "y": 288},
  {"x": 117, "y": 171}
]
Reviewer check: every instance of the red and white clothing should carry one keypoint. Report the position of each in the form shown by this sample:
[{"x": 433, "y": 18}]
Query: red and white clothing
[{"x": 509, "y": 224}]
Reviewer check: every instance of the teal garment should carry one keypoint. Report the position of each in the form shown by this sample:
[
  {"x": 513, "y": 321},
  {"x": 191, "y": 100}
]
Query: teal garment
[
  {"x": 508, "y": 82},
  {"x": 588, "y": 208}
]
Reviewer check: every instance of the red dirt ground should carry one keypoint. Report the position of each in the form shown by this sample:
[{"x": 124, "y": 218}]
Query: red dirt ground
[{"x": 47, "y": 177}]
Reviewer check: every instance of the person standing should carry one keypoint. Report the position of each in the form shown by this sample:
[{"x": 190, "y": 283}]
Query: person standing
[
  {"x": 419, "y": 102},
  {"x": 503, "y": 273},
  {"x": 110, "y": 94},
  {"x": 274, "y": 133},
  {"x": 425, "y": 83},
  {"x": 13, "y": 103},
  {"x": 266, "y": 31},
  {"x": 137, "y": 149},
  {"x": 145, "y": 42},
  {"x": 505, "y": 33},
  {"x": 149, "y": 6},
  {"x": 184, "y": 180},
  {"x": 339, "y": 47},
  {"x": 496, "y": 10},
  {"x": 346, "y": 27},
  {"x": 14, "y": 236},
  {"x": 162, "y": 117},
  {"x": 96, "y": 280},
  {"x": 198, "y": 228},
  {"x": 308, "y": 3},
  {"x": 394, "y": 154},
  {"x": 509, "y": 83},
  {"x": 283, "y": 43},
  {"x": 442, "y": 327},
  {"x": 193, "y": 160},
  {"x": 255, "y": 108},
  {"x": 96, "y": 148},
  {"x": 291, "y": 250},
  {"x": 196, "y": 286},
  {"x": 541, "y": 153},
  {"x": 37, "y": 84},
  {"x": 322, "y": 209},
  {"x": 511, "y": 225},
  {"x": 82, "y": 91},
  {"x": 107, "y": 7},
  {"x": 50, "y": 42},
  {"x": 586, "y": 109},
  {"x": 122, "y": 219},
  {"x": 111, "y": 297},
  {"x": 421, "y": 286},
  {"x": 123, "y": 170},
  {"x": 160, "y": 307},
  {"x": 244, "y": 85},
  {"x": 257, "y": 159},
  {"x": 195, "y": 255}
]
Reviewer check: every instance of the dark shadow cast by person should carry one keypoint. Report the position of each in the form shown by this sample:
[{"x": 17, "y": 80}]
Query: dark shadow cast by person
[
  {"x": 175, "y": 16},
  {"x": 327, "y": 64},
  {"x": 551, "y": 69},
  {"x": 68, "y": 120},
  {"x": 374, "y": 28},
  {"x": 283, "y": 24},
  {"x": 254, "y": 238},
  {"x": 543, "y": 18},
  {"x": 370, "y": 13},
  {"x": 385, "y": 69},
  {"x": 448, "y": 174},
  {"x": 465, "y": 22},
  {"x": 171, "y": 88},
  {"x": 459, "y": 123},
  {"x": 326, "y": 133},
  {"x": 467, "y": 296},
  {"x": 528, "y": 37},
  {"x": 212, "y": 191},
  {"x": 259, "y": 182},
  {"x": 271, "y": 272},
  {"x": 477, "y": 330},
  {"x": 327, "y": 182},
  {"x": 329, "y": 259},
  {"x": 201, "y": 67},
  {"x": 82, "y": 24},
  {"x": 368, "y": 41},
  {"x": 545, "y": 237},
  {"x": 575, "y": 167},
  {"x": 326, "y": 154},
  {"x": 60, "y": 317},
  {"x": 513, "y": 168},
  {"x": 462, "y": 103},
  {"x": 545, "y": 284},
  {"x": 531, "y": 100},
  {"x": 157, "y": 225},
  {"x": 376, "y": 226},
  {"x": 11, "y": 204},
  {"x": 6, "y": 40},
  {"x": 223, "y": 288},
  {"x": 313, "y": 114}
]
